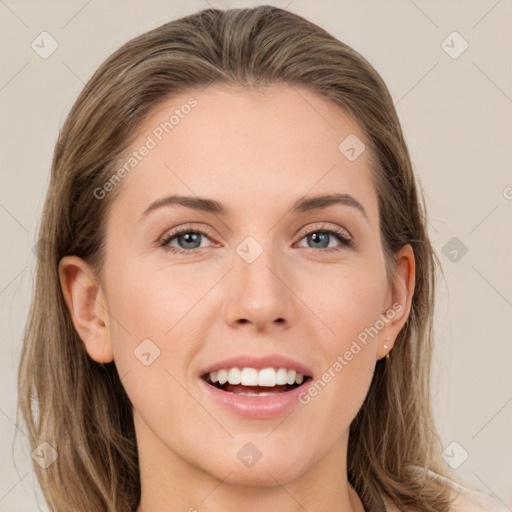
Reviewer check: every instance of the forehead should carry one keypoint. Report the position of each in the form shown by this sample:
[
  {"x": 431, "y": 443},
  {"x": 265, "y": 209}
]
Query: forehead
[{"x": 277, "y": 143}]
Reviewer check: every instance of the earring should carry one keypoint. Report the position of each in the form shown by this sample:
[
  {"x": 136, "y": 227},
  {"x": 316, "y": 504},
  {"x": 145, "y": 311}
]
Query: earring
[{"x": 386, "y": 347}]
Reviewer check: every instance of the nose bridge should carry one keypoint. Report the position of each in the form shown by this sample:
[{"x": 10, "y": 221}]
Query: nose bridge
[{"x": 259, "y": 295}]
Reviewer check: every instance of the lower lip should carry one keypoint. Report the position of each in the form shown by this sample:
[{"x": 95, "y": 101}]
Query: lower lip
[{"x": 257, "y": 407}]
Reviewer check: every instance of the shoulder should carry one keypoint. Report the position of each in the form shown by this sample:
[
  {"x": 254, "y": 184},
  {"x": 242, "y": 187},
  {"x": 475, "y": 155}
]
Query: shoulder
[{"x": 464, "y": 500}]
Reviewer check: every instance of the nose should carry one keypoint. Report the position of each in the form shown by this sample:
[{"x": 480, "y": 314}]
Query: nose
[{"x": 259, "y": 293}]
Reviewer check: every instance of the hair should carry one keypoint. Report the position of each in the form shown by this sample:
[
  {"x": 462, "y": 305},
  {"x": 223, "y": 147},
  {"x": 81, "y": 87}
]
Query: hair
[{"x": 80, "y": 406}]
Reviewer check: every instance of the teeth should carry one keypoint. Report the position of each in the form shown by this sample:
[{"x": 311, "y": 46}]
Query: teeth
[
  {"x": 248, "y": 377},
  {"x": 223, "y": 376},
  {"x": 290, "y": 377},
  {"x": 267, "y": 377},
  {"x": 234, "y": 376},
  {"x": 257, "y": 394},
  {"x": 281, "y": 376}
]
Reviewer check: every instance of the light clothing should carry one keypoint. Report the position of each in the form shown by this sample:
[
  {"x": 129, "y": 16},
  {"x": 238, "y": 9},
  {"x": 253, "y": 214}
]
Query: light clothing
[{"x": 468, "y": 500}]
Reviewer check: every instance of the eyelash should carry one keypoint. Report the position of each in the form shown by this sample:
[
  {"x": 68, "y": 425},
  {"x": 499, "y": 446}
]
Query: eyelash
[{"x": 338, "y": 233}]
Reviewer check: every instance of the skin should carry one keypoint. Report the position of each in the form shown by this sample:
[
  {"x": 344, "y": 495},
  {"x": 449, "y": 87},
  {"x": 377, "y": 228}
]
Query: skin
[{"x": 256, "y": 152}]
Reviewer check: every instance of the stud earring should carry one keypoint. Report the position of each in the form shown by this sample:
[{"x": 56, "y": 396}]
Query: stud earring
[{"x": 387, "y": 347}]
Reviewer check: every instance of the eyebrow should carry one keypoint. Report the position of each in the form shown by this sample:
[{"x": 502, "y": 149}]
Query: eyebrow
[{"x": 301, "y": 205}]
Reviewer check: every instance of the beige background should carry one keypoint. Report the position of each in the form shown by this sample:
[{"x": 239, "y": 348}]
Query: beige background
[{"x": 457, "y": 116}]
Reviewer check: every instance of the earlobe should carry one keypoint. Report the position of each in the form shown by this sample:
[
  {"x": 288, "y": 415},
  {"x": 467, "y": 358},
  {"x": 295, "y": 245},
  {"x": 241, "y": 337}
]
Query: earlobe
[
  {"x": 402, "y": 292},
  {"x": 87, "y": 305}
]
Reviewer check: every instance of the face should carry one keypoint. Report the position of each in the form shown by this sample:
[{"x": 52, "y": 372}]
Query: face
[{"x": 188, "y": 287}]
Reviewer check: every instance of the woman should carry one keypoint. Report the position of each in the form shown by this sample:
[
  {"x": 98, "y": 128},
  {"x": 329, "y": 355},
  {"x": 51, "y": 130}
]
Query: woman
[{"x": 235, "y": 304}]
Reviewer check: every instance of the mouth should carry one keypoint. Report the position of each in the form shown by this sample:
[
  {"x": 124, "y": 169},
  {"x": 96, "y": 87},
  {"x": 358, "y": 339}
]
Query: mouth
[{"x": 251, "y": 382}]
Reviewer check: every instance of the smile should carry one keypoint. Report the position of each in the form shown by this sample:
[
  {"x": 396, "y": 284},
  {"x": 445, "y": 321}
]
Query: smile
[
  {"x": 253, "y": 382},
  {"x": 255, "y": 394}
]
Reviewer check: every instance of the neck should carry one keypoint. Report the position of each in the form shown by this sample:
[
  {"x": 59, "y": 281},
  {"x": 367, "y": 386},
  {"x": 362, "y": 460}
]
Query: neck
[{"x": 171, "y": 483}]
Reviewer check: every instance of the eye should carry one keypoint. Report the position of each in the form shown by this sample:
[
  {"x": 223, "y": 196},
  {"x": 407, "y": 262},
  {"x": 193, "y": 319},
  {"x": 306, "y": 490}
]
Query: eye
[
  {"x": 320, "y": 238},
  {"x": 188, "y": 240}
]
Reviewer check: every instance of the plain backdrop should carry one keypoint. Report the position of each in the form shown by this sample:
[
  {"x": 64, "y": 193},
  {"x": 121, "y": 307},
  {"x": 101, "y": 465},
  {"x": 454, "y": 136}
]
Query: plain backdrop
[{"x": 447, "y": 65}]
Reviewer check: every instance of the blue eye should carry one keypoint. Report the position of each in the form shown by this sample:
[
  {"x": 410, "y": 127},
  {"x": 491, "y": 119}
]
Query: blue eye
[
  {"x": 189, "y": 240},
  {"x": 321, "y": 238}
]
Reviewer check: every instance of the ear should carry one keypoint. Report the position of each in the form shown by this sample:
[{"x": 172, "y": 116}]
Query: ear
[
  {"x": 399, "y": 299},
  {"x": 87, "y": 305}
]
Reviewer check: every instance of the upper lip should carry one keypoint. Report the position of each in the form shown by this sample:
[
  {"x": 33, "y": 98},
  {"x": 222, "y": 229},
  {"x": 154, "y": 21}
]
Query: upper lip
[{"x": 249, "y": 361}]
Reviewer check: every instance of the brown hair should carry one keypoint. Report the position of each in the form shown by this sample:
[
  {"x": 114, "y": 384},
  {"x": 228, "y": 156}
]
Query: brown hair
[{"x": 79, "y": 406}]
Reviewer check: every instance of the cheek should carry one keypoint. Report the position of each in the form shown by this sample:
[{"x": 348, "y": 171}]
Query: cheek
[
  {"x": 149, "y": 302},
  {"x": 148, "y": 312},
  {"x": 157, "y": 323},
  {"x": 351, "y": 310},
  {"x": 348, "y": 358},
  {"x": 347, "y": 301}
]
